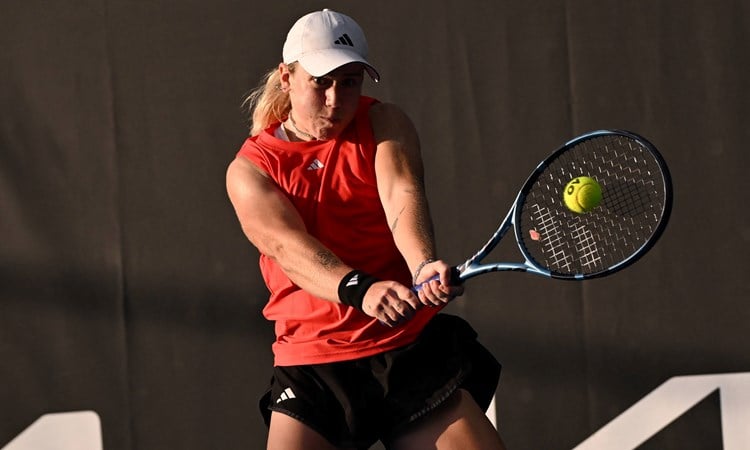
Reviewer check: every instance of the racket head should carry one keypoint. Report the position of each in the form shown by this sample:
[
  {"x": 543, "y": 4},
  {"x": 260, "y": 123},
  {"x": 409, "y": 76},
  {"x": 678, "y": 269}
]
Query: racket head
[{"x": 633, "y": 213}]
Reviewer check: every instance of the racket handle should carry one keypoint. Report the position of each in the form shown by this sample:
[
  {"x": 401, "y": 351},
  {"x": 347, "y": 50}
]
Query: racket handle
[{"x": 455, "y": 279}]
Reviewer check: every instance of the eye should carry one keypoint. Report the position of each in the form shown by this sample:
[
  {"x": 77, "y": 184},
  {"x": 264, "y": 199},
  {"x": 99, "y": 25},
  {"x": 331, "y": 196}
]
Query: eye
[
  {"x": 322, "y": 81},
  {"x": 351, "y": 82}
]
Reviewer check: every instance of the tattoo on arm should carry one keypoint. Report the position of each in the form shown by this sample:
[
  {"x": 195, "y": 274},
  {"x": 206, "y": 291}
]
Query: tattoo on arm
[
  {"x": 419, "y": 198},
  {"x": 328, "y": 259},
  {"x": 395, "y": 221},
  {"x": 422, "y": 219}
]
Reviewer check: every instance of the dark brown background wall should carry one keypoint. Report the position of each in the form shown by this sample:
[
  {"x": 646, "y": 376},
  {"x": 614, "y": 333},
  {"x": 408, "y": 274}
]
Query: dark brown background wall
[{"x": 127, "y": 288}]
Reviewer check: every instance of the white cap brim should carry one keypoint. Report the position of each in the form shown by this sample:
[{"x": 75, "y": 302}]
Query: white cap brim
[{"x": 323, "y": 62}]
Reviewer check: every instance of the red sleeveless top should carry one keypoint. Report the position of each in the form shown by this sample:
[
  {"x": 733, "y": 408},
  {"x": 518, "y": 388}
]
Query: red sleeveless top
[{"x": 332, "y": 184}]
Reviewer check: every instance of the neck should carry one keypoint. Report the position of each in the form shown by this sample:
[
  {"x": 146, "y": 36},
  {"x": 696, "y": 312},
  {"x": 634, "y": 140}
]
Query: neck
[{"x": 299, "y": 133}]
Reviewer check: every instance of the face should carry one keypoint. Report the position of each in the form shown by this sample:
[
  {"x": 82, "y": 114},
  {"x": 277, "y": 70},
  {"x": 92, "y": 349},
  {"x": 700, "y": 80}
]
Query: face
[{"x": 323, "y": 106}]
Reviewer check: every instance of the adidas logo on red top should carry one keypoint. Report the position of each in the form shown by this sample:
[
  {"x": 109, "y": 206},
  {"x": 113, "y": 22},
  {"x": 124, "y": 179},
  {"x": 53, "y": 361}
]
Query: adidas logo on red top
[{"x": 316, "y": 164}]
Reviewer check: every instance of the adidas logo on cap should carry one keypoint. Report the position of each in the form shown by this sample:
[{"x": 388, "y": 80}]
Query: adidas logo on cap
[
  {"x": 344, "y": 40},
  {"x": 323, "y": 41}
]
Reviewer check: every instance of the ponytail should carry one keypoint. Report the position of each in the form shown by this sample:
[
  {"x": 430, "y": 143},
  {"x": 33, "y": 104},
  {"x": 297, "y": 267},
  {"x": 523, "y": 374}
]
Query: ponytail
[{"x": 267, "y": 103}]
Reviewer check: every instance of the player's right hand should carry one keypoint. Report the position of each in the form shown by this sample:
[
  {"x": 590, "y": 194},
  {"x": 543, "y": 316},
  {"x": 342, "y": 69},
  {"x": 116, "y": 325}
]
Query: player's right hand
[{"x": 390, "y": 302}]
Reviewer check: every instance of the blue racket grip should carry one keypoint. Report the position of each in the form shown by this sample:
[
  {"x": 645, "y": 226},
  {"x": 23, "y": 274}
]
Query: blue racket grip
[{"x": 455, "y": 279}]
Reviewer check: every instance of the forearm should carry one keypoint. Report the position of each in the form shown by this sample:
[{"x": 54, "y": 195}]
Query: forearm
[
  {"x": 398, "y": 165},
  {"x": 307, "y": 263},
  {"x": 274, "y": 226},
  {"x": 412, "y": 227}
]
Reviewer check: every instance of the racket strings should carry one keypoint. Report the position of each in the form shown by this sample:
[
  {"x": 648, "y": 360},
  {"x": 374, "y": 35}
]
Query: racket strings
[
  {"x": 586, "y": 246},
  {"x": 632, "y": 207},
  {"x": 554, "y": 243}
]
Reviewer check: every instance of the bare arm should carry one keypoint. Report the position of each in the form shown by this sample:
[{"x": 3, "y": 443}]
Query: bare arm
[
  {"x": 271, "y": 223},
  {"x": 398, "y": 165},
  {"x": 400, "y": 175}
]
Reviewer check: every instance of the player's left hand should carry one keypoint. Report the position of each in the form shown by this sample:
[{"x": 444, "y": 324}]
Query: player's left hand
[{"x": 439, "y": 291}]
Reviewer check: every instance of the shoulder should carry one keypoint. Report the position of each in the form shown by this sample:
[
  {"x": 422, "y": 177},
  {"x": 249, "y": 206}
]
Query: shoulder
[
  {"x": 381, "y": 112},
  {"x": 242, "y": 173},
  {"x": 389, "y": 121}
]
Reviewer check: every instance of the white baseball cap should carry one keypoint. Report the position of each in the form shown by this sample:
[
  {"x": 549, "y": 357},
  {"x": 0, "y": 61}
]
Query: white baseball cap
[{"x": 323, "y": 41}]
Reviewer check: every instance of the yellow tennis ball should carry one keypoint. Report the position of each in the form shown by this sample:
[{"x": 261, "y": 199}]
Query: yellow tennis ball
[{"x": 582, "y": 194}]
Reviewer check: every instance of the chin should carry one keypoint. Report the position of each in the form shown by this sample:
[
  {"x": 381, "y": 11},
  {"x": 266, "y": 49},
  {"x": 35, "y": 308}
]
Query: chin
[
  {"x": 327, "y": 134},
  {"x": 330, "y": 132}
]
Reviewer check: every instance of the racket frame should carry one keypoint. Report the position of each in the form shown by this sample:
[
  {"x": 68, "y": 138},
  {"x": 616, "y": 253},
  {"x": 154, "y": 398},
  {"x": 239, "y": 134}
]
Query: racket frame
[{"x": 474, "y": 266}]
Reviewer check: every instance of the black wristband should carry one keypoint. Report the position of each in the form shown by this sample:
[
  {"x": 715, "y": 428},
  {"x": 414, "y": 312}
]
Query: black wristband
[{"x": 353, "y": 287}]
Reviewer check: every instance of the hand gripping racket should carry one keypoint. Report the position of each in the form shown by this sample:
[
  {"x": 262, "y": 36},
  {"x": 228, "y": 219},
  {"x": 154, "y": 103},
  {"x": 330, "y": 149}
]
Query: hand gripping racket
[{"x": 556, "y": 242}]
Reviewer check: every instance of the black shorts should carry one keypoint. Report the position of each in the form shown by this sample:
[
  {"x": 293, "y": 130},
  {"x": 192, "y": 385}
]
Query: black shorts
[{"x": 356, "y": 403}]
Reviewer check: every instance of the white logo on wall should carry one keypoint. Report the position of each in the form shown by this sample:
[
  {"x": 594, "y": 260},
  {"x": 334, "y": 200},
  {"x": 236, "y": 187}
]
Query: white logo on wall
[
  {"x": 80, "y": 430},
  {"x": 671, "y": 400}
]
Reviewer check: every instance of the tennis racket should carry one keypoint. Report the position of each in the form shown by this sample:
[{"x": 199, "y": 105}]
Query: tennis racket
[{"x": 556, "y": 242}]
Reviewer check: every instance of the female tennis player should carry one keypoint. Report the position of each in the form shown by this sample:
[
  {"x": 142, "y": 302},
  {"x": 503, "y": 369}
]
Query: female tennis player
[{"x": 329, "y": 188}]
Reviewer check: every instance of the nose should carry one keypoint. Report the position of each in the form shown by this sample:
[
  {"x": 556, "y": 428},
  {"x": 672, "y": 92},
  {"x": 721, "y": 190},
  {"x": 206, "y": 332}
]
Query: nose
[{"x": 333, "y": 95}]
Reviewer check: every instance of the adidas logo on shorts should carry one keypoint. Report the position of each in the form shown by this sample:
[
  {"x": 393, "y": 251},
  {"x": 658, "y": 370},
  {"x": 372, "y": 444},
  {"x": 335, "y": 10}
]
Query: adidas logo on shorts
[{"x": 286, "y": 395}]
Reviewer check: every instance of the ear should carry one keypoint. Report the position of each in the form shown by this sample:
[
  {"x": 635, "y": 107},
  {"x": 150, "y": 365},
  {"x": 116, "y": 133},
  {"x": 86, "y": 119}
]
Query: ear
[{"x": 284, "y": 75}]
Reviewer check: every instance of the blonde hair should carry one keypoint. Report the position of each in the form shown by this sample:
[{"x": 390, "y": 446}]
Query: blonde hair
[{"x": 268, "y": 103}]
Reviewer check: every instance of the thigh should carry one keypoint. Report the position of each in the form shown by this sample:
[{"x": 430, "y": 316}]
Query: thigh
[
  {"x": 446, "y": 357},
  {"x": 288, "y": 433},
  {"x": 335, "y": 400},
  {"x": 458, "y": 424}
]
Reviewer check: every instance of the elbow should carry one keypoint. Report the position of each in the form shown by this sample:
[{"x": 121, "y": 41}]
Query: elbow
[
  {"x": 269, "y": 246},
  {"x": 277, "y": 250}
]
